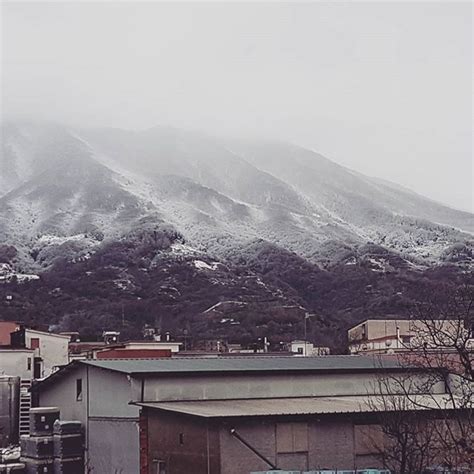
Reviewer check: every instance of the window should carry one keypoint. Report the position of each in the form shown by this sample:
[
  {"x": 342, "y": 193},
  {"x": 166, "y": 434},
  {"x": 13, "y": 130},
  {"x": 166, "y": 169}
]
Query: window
[
  {"x": 160, "y": 466},
  {"x": 28, "y": 363},
  {"x": 292, "y": 437},
  {"x": 35, "y": 343},
  {"x": 181, "y": 438},
  {"x": 78, "y": 390}
]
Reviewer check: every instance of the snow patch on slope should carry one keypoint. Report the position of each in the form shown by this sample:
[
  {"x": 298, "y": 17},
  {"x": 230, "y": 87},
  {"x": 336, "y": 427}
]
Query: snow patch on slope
[{"x": 200, "y": 265}]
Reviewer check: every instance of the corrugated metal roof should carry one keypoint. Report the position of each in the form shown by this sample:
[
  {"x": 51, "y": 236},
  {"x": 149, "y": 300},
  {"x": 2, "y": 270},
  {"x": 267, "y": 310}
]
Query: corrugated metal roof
[
  {"x": 245, "y": 364},
  {"x": 300, "y": 406}
]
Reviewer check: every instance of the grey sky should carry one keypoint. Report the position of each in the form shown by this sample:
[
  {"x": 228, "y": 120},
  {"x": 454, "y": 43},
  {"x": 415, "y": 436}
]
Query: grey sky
[{"x": 384, "y": 88}]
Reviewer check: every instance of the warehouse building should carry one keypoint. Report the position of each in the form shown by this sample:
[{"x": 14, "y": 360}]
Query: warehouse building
[{"x": 221, "y": 415}]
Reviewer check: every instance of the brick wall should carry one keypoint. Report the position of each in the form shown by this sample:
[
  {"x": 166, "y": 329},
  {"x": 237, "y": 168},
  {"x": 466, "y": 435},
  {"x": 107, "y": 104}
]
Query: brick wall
[
  {"x": 331, "y": 444},
  {"x": 237, "y": 458},
  {"x": 133, "y": 353},
  {"x": 144, "y": 450},
  {"x": 186, "y": 444}
]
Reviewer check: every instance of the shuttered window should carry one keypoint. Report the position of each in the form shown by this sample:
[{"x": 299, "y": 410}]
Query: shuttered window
[
  {"x": 292, "y": 437},
  {"x": 368, "y": 439}
]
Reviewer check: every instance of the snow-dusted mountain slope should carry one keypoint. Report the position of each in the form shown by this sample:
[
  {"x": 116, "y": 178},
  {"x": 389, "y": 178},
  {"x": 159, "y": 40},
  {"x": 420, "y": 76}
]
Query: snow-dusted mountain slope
[{"x": 64, "y": 191}]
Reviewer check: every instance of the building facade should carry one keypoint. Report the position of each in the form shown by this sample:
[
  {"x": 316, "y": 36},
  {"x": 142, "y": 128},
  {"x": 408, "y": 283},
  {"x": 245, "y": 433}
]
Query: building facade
[
  {"x": 389, "y": 336},
  {"x": 177, "y": 413}
]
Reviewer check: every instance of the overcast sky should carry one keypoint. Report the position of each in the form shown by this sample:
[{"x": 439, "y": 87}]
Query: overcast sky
[{"x": 384, "y": 88}]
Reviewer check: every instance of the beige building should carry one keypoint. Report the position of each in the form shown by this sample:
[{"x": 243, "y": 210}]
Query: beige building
[{"x": 389, "y": 336}]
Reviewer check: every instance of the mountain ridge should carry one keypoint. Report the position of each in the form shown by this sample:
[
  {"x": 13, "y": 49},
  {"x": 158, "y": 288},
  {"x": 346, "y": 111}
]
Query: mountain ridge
[
  {"x": 277, "y": 192},
  {"x": 102, "y": 231}
]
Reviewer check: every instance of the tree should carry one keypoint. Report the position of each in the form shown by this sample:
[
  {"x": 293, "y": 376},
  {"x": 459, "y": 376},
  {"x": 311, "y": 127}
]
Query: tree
[{"x": 422, "y": 426}]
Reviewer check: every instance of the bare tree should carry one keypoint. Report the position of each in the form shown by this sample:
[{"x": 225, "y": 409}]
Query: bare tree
[{"x": 428, "y": 419}]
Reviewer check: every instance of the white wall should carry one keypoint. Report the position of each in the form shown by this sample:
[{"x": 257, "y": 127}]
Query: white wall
[
  {"x": 111, "y": 424},
  {"x": 53, "y": 349},
  {"x": 111, "y": 394},
  {"x": 172, "y": 346},
  {"x": 15, "y": 363}
]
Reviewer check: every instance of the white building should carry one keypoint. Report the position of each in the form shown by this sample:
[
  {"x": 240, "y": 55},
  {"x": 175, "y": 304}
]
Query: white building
[
  {"x": 51, "y": 351},
  {"x": 174, "y": 347},
  {"x": 305, "y": 348},
  {"x": 17, "y": 363}
]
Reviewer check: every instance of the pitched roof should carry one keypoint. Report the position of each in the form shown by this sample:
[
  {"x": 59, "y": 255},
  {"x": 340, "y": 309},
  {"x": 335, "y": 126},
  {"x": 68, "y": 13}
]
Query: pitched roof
[
  {"x": 183, "y": 365},
  {"x": 301, "y": 405},
  {"x": 214, "y": 365}
]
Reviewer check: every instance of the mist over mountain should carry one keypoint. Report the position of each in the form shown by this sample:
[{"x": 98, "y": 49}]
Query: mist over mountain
[
  {"x": 73, "y": 186},
  {"x": 170, "y": 223}
]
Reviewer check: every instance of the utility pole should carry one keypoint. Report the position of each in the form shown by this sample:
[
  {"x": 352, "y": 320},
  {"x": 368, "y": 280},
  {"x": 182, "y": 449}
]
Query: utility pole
[
  {"x": 185, "y": 332},
  {"x": 306, "y": 317}
]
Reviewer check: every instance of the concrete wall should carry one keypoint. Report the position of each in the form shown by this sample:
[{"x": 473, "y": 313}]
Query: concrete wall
[
  {"x": 112, "y": 394},
  {"x": 258, "y": 386},
  {"x": 111, "y": 424},
  {"x": 14, "y": 362},
  {"x": 113, "y": 446}
]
